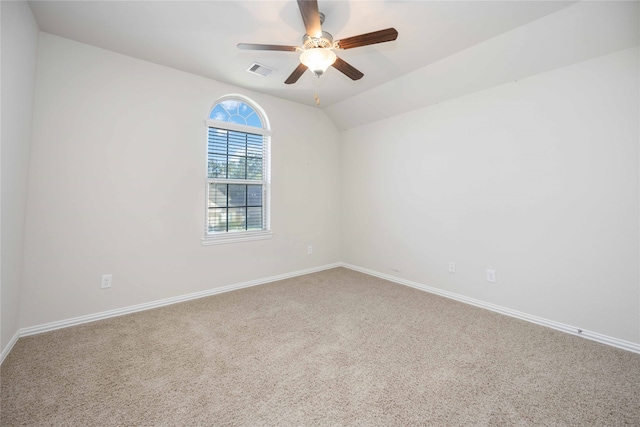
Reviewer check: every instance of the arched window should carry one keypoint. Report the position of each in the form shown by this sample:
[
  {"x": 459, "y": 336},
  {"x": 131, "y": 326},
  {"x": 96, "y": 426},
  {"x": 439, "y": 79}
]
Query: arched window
[{"x": 238, "y": 193}]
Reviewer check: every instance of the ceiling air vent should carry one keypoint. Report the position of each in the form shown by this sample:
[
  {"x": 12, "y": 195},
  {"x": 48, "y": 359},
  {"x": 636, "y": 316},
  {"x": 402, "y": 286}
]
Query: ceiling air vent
[{"x": 261, "y": 70}]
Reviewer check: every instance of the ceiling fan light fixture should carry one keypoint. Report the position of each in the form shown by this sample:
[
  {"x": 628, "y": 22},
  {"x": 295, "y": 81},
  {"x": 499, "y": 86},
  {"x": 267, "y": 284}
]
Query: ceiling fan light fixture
[{"x": 318, "y": 60}]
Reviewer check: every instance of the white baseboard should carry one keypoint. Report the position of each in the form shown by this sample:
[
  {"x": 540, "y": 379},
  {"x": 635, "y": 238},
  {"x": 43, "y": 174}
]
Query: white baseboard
[
  {"x": 7, "y": 349},
  {"x": 594, "y": 336},
  {"x": 159, "y": 303}
]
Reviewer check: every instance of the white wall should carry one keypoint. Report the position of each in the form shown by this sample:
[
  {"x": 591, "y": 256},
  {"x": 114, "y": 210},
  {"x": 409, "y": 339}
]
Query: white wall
[
  {"x": 117, "y": 185},
  {"x": 19, "y": 55},
  {"x": 537, "y": 179}
]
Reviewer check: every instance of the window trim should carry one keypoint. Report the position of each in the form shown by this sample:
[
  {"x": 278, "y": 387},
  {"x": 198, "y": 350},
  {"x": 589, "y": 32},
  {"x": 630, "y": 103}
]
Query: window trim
[{"x": 265, "y": 132}]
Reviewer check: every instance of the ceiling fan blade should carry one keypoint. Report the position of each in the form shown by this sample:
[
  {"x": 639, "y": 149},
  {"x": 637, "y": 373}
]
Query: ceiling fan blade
[
  {"x": 253, "y": 46},
  {"x": 346, "y": 69},
  {"x": 310, "y": 17},
  {"x": 300, "y": 69},
  {"x": 380, "y": 36}
]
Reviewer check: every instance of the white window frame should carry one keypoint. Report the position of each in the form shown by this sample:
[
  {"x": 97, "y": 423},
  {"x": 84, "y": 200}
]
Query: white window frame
[{"x": 265, "y": 131}]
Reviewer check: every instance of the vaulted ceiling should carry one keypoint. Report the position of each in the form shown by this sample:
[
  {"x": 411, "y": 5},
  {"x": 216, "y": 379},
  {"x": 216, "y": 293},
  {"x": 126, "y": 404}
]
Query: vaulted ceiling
[{"x": 200, "y": 37}]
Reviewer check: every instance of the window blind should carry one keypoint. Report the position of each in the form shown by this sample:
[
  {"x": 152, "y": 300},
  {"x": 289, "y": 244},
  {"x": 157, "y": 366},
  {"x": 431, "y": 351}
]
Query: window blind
[{"x": 235, "y": 175}]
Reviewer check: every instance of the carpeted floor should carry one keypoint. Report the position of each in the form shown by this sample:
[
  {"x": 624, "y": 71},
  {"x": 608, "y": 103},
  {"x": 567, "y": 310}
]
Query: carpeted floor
[{"x": 331, "y": 348}]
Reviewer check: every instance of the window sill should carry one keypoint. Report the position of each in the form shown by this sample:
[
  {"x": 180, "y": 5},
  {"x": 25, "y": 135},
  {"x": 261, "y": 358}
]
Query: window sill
[{"x": 235, "y": 237}]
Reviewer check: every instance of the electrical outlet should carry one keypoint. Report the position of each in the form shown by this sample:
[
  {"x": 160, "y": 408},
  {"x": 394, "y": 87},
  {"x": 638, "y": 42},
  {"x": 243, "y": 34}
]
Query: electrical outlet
[
  {"x": 491, "y": 275},
  {"x": 452, "y": 267},
  {"x": 106, "y": 281},
  {"x": 309, "y": 250}
]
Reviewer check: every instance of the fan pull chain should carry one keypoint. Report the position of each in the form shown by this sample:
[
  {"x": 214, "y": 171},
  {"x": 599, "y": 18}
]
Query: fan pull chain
[{"x": 317, "y": 94}]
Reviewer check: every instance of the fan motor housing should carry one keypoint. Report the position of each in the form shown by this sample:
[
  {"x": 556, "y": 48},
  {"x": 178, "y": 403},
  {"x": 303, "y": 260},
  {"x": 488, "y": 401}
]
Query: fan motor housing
[{"x": 325, "y": 41}]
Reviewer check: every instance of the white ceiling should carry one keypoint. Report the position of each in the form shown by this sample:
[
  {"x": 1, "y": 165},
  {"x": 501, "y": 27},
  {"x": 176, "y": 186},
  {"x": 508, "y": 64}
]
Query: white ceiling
[{"x": 200, "y": 37}]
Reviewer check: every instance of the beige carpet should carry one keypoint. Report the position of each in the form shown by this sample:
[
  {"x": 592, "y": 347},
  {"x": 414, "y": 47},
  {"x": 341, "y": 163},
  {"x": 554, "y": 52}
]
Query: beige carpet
[{"x": 332, "y": 348}]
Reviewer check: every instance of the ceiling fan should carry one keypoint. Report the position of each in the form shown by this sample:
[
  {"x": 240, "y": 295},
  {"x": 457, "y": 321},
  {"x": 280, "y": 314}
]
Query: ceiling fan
[{"x": 318, "y": 46}]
